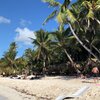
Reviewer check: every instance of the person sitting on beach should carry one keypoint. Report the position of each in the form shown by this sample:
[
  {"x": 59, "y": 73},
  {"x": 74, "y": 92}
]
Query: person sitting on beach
[{"x": 95, "y": 72}]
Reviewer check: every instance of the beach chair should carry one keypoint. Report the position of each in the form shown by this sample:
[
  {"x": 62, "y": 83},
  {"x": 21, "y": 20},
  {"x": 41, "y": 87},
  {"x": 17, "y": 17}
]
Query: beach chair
[{"x": 74, "y": 95}]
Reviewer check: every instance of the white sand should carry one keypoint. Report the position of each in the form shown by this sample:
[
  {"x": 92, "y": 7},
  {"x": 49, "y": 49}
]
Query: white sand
[
  {"x": 11, "y": 94},
  {"x": 47, "y": 88}
]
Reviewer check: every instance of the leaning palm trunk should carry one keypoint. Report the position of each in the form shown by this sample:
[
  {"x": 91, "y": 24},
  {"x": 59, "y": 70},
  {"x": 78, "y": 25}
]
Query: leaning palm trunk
[
  {"x": 86, "y": 48},
  {"x": 70, "y": 59},
  {"x": 97, "y": 20},
  {"x": 72, "y": 62},
  {"x": 93, "y": 46},
  {"x": 90, "y": 50},
  {"x": 68, "y": 56},
  {"x": 96, "y": 49}
]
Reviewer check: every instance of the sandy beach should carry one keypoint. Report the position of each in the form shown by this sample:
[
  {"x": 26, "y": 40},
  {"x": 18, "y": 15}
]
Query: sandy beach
[{"x": 47, "y": 88}]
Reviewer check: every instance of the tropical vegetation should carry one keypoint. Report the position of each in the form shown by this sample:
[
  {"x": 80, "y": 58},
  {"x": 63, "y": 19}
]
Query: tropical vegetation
[{"x": 72, "y": 47}]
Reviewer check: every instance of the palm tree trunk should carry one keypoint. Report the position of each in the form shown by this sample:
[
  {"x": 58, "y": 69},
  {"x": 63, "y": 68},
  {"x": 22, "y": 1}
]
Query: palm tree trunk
[
  {"x": 44, "y": 65},
  {"x": 97, "y": 20},
  {"x": 96, "y": 49},
  {"x": 72, "y": 62},
  {"x": 90, "y": 50},
  {"x": 93, "y": 46},
  {"x": 86, "y": 48}
]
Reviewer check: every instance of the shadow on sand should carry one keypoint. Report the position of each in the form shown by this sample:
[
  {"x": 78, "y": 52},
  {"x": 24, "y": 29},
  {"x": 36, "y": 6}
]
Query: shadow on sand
[
  {"x": 87, "y": 82},
  {"x": 65, "y": 77}
]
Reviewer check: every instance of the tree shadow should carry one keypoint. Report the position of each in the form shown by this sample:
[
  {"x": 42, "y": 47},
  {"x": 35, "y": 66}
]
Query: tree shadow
[
  {"x": 68, "y": 98},
  {"x": 87, "y": 82},
  {"x": 64, "y": 77}
]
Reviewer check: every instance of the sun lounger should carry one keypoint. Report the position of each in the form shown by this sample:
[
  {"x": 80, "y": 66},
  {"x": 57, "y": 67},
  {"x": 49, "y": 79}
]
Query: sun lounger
[{"x": 76, "y": 94}]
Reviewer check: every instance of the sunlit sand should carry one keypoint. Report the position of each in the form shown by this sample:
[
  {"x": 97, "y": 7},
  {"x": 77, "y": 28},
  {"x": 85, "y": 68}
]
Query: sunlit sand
[{"x": 49, "y": 88}]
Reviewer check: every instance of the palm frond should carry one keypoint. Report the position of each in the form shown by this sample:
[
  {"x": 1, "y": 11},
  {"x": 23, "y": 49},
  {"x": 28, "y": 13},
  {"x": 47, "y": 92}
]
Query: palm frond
[
  {"x": 65, "y": 5},
  {"x": 90, "y": 14},
  {"x": 61, "y": 28},
  {"x": 52, "y": 15},
  {"x": 66, "y": 2},
  {"x": 97, "y": 5},
  {"x": 59, "y": 17},
  {"x": 70, "y": 16},
  {"x": 52, "y": 2},
  {"x": 88, "y": 6}
]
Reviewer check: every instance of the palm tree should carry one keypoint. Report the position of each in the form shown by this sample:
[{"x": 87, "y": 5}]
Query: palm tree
[
  {"x": 88, "y": 16},
  {"x": 29, "y": 56},
  {"x": 9, "y": 60},
  {"x": 10, "y": 55},
  {"x": 42, "y": 45},
  {"x": 62, "y": 40},
  {"x": 21, "y": 64},
  {"x": 64, "y": 14}
]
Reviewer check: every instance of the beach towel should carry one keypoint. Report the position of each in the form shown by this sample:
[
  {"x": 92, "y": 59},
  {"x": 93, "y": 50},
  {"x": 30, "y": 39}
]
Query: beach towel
[{"x": 76, "y": 94}]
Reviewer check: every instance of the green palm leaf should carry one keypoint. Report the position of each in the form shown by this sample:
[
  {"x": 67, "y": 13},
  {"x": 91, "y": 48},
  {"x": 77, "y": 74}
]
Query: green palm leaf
[
  {"x": 97, "y": 5},
  {"x": 60, "y": 18},
  {"x": 71, "y": 18},
  {"x": 52, "y": 15},
  {"x": 88, "y": 6},
  {"x": 52, "y": 2}
]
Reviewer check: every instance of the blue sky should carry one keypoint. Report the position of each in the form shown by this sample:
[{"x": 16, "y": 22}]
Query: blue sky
[{"x": 19, "y": 19}]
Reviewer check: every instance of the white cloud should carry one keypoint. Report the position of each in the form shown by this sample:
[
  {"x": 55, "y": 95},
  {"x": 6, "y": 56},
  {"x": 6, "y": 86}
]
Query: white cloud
[
  {"x": 24, "y": 22},
  {"x": 24, "y": 35},
  {"x": 4, "y": 20}
]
